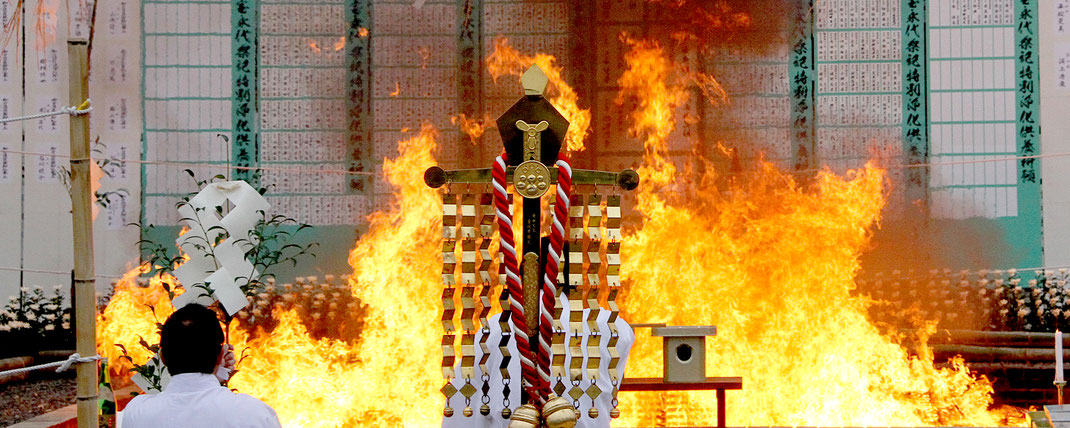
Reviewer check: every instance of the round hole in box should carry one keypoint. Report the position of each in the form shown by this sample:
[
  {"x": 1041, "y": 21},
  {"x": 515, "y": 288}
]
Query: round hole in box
[{"x": 683, "y": 353}]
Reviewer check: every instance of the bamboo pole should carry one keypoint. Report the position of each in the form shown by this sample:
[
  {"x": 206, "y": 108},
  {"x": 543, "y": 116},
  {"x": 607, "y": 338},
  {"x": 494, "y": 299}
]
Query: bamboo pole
[
  {"x": 1006, "y": 339},
  {"x": 85, "y": 295}
]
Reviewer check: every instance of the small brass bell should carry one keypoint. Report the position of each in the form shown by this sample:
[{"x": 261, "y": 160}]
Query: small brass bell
[
  {"x": 467, "y": 411},
  {"x": 526, "y": 416},
  {"x": 484, "y": 410},
  {"x": 593, "y": 413},
  {"x": 506, "y": 413},
  {"x": 448, "y": 412},
  {"x": 559, "y": 413},
  {"x": 614, "y": 413}
]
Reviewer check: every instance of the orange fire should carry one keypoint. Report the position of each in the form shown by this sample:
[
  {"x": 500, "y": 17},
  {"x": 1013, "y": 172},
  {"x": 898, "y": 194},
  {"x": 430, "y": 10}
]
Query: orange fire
[
  {"x": 770, "y": 260},
  {"x": 131, "y": 316},
  {"x": 506, "y": 60},
  {"x": 472, "y": 127},
  {"x": 767, "y": 258},
  {"x": 391, "y": 376}
]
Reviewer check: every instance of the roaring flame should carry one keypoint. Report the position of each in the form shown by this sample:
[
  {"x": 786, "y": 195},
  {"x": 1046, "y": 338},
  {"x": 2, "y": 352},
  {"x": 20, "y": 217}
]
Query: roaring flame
[
  {"x": 472, "y": 127},
  {"x": 391, "y": 376},
  {"x": 770, "y": 260},
  {"x": 381, "y": 380},
  {"x": 131, "y": 316},
  {"x": 767, "y": 258},
  {"x": 505, "y": 60}
]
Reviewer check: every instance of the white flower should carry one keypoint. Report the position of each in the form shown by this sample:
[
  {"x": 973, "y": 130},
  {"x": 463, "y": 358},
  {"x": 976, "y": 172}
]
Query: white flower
[
  {"x": 31, "y": 316},
  {"x": 49, "y": 317},
  {"x": 66, "y": 325},
  {"x": 5, "y": 327},
  {"x": 1012, "y": 272},
  {"x": 35, "y": 307},
  {"x": 51, "y": 307},
  {"x": 49, "y": 327}
]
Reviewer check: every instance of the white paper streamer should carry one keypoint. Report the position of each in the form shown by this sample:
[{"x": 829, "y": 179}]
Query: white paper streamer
[{"x": 219, "y": 268}]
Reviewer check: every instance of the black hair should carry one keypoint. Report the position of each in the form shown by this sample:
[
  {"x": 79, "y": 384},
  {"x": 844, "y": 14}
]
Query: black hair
[{"x": 190, "y": 340}]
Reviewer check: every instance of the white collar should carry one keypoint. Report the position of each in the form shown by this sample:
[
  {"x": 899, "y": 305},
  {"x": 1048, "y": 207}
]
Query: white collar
[{"x": 191, "y": 382}]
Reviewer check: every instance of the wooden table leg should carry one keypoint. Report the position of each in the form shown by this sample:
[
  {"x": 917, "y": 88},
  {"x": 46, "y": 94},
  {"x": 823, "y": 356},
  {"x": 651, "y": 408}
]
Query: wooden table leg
[{"x": 720, "y": 409}]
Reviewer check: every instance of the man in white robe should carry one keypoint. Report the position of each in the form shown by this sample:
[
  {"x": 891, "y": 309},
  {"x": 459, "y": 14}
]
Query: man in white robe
[{"x": 191, "y": 346}]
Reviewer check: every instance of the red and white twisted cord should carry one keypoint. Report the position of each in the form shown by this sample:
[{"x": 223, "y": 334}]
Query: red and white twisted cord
[
  {"x": 553, "y": 265},
  {"x": 512, "y": 273}
]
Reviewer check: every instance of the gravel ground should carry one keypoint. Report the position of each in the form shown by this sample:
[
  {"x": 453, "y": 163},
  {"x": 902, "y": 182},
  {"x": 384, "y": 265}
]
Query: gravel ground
[{"x": 24, "y": 400}]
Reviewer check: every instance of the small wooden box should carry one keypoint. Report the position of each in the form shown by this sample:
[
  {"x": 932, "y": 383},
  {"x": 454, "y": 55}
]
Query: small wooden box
[{"x": 684, "y": 349}]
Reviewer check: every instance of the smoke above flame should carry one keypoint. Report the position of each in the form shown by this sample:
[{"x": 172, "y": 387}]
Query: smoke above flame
[{"x": 505, "y": 60}]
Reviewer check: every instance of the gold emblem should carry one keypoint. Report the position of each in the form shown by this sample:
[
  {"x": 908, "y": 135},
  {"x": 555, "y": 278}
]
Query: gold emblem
[{"x": 531, "y": 179}]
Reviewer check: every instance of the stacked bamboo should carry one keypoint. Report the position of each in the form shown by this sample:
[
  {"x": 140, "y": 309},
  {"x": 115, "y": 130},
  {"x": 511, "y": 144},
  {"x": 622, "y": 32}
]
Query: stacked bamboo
[{"x": 325, "y": 306}]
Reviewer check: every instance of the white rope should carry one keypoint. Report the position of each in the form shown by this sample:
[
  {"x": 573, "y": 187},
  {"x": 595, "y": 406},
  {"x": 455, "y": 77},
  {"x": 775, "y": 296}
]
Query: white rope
[
  {"x": 62, "y": 365},
  {"x": 54, "y": 272},
  {"x": 199, "y": 165},
  {"x": 71, "y": 110}
]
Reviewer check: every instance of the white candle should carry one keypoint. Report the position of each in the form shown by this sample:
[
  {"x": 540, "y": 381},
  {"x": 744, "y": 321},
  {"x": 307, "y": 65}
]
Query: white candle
[{"x": 1059, "y": 356}]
